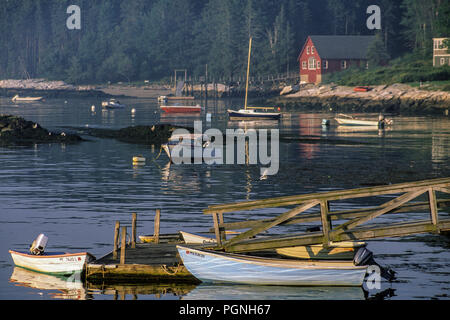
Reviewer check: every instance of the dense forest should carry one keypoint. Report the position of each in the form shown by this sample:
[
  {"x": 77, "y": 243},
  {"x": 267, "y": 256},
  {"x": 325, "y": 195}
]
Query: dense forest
[{"x": 130, "y": 40}]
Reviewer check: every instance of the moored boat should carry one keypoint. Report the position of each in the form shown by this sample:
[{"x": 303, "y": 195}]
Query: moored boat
[
  {"x": 181, "y": 109},
  {"x": 343, "y": 119},
  {"x": 250, "y": 113},
  {"x": 25, "y": 99},
  {"x": 214, "y": 266},
  {"x": 58, "y": 263},
  {"x": 188, "y": 147},
  {"x": 112, "y": 104}
]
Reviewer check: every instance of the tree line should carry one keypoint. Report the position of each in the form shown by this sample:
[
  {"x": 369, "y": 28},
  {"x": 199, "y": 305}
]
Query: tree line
[{"x": 129, "y": 40}]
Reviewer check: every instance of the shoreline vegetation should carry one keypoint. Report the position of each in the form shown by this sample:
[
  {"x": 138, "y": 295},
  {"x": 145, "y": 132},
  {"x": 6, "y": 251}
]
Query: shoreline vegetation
[{"x": 393, "y": 98}]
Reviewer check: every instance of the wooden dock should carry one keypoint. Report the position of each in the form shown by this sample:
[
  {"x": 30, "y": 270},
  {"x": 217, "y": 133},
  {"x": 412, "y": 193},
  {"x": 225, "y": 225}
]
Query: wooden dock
[
  {"x": 401, "y": 196},
  {"x": 158, "y": 261},
  {"x": 155, "y": 261}
]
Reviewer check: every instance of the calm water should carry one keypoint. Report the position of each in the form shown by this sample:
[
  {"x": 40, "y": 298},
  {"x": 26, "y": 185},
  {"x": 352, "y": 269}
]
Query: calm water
[{"x": 75, "y": 193}]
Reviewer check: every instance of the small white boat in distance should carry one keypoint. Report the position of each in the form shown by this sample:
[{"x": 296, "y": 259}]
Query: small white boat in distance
[
  {"x": 214, "y": 266},
  {"x": 350, "y": 121},
  {"x": 57, "y": 263},
  {"x": 25, "y": 99},
  {"x": 197, "y": 146},
  {"x": 112, "y": 104}
]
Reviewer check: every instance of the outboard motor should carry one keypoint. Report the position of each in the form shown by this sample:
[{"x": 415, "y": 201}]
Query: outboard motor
[
  {"x": 38, "y": 245},
  {"x": 365, "y": 257}
]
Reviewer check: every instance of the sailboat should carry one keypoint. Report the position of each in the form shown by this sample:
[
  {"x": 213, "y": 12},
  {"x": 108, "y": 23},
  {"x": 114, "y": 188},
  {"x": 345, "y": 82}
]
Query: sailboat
[{"x": 249, "y": 113}]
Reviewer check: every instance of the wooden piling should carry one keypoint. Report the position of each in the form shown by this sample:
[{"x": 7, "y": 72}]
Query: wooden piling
[
  {"x": 156, "y": 227},
  {"x": 123, "y": 245},
  {"x": 116, "y": 239},
  {"x": 133, "y": 229}
]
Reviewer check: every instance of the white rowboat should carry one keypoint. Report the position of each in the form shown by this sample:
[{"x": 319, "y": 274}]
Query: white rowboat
[
  {"x": 214, "y": 266},
  {"x": 17, "y": 98},
  {"x": 58, "y": 263}
]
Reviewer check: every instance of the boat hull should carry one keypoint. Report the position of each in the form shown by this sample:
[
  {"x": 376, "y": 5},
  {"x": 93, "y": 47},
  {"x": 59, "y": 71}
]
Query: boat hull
[
  {"x": 52, "y": 263},
  {"x": 236, "y": 115},
  {"x": 181, "y": 109},
  {"x": 355, "y": 122},
  {"x": 27, "y": 99},
  {"x": 209, "y": 266}
]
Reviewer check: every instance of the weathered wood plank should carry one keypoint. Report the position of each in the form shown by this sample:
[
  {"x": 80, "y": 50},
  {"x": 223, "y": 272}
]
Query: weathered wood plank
[
  {"x": 330, "y": 195},
  {"x": 123, "y": 245},
  {"x": 326, "y": 226},
  {"x": 333, "y": 215},
  {"x": 433, "y": 206},
  {"x": 217, "y": 229},
  {"x": 388, "y": 206},
  {"x": 283, "y": 217},
  {"x": 157, "y": 227},
  {"x": 116, "y": 239},
  {"x": 361, "y": 233}
]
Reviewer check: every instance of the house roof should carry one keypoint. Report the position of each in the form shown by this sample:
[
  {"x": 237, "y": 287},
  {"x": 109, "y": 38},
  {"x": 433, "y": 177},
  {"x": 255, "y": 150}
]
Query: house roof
[{"x": 342, "y": 47}]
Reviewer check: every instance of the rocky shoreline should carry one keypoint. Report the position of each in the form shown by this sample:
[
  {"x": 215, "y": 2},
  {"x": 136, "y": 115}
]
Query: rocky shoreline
[
  {"x": 16, "y": 131},
  {"x": 396, "y": 98},
  {"x": 47, "y": 89}
]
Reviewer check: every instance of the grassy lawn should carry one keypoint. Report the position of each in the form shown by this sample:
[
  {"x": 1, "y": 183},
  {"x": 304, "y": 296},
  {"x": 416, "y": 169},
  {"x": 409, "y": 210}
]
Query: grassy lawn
[{"x": 408, "y": 69}]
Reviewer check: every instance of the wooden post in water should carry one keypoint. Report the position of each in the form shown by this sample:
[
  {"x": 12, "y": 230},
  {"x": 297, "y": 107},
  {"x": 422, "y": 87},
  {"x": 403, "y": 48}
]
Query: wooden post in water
[
  {"x": 216, "y": 229},
  {"x": 123, "y": 245},
  {"x": 133, "y": 229},
  {"x": 433, "y": 207},
  {"x": 326, "y": 225},
  {"x": 156, "y": 227},
  {"x": 116, "y": 239}
]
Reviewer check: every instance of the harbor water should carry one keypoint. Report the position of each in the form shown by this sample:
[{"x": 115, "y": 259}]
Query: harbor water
[{"x": 74, "y": 193}]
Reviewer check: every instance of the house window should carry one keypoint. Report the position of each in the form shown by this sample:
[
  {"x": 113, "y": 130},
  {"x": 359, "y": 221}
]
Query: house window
[
  {"x": 325, "y": 64},
  {"x": 318, "y": 64},
  {"x": 344, "y": 64},
  {"x": 442, "y": 61},
  {"x": 312, "y": 50},
  {"x": 307, "y": 50},
  {"x": 311, "y": 63},
  {"x": 303, "y": 64}
]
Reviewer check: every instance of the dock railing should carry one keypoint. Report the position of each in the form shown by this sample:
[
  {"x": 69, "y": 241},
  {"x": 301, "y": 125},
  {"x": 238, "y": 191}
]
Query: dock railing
[{"x": 404, "y": 194}]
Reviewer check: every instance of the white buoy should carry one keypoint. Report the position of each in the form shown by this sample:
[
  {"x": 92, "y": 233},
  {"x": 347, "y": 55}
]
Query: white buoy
[
  {"x": 133, "y": 111},
  {"x": 93, "y": 108}
]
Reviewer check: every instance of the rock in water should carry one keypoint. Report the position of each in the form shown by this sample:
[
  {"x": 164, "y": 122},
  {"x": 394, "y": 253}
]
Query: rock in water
[{"x": 18, "y": 131}]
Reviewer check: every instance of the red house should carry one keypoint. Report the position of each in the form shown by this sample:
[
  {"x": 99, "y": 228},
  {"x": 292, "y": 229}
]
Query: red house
[{"x": 322, "y": 55}]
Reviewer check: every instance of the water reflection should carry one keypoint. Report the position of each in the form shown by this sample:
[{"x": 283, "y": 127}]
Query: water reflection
[
  {"x": 55, "y": 287},
  {"x": 248, "y": 292}
]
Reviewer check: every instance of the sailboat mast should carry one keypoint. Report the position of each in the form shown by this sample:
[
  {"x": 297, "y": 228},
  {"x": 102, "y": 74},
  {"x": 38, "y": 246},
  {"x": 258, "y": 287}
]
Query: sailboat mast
[{"x": 248, "y": 71}]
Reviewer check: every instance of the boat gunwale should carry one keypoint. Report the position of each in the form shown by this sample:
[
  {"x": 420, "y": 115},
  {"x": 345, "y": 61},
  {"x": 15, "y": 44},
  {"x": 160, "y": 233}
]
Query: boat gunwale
[{"x": 58, "y": 255}]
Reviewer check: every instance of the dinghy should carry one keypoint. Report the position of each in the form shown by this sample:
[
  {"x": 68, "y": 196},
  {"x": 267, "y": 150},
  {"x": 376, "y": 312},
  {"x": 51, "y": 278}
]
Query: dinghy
[
  {"x": 181, "y": 109},
  {"x": 215, "y": 266},
  {"x": 198, "y": 148},
  {"x": 56, "y": 263},
  {"x": 112, "y": 104},
  {"x": 26, "y": 99}
]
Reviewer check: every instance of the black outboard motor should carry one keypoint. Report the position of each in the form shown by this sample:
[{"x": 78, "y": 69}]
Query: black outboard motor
[{"x": 365, "y": 257}]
